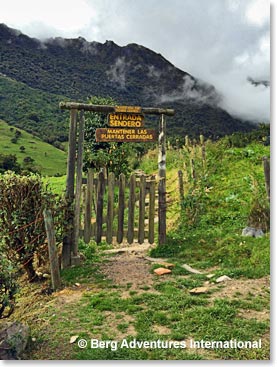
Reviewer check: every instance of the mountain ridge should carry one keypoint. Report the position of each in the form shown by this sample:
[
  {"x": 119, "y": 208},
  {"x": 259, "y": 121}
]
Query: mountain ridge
[{"x": 131, "y": 74}]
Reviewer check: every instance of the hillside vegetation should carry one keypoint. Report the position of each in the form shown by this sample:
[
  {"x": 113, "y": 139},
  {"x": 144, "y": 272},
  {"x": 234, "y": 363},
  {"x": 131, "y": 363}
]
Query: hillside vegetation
[
  {"x": 77, "y": 69},
  {"x": 119, "y": 297},
  {"x": 33, "y": 110},
  {"x": 43, "y": 157}
]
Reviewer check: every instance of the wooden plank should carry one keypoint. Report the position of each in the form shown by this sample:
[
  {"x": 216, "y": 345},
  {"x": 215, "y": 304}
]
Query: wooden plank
[
  {"x": 99, "y": 207},
  {"x": 110, "y": 210},
  {"x": 52, "y": 249},
  {"x": 125, "y": 135},
  {"x": 107, "y": 109},
  {"x": 162, "y": 182},
  {"x": 125, "y": 120},
  {"x": 181, "y": 186},
  {"x": 88, "y": 207},
  {"x": 131, "y": 209},
  {"x": 141, "y": 225},
  {"x": 79, "y": 175},
  {"x": 121, "y": 206},
  {"x": 69, "y": 194},
  {"x": 151, "y": 220}
]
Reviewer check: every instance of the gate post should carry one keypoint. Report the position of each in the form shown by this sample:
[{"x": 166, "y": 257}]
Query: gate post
[
  {"x": 75, "y": 259},
  {"x": 69, "y": 194},
  {"x": 162, "y": 181}
]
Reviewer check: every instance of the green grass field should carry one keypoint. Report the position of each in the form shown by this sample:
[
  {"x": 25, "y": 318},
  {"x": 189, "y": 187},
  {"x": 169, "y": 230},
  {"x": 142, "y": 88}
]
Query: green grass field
[
  {"x": 204, "y": 231},
  {"x": 48, "y": 159}
]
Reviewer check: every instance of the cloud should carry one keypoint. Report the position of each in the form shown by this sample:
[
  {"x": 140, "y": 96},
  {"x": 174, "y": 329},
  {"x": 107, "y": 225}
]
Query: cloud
[
  {"x": 222, "y": 42},
  {"x": 192, "y": 91},
  {"x": 117, "y": 72}
]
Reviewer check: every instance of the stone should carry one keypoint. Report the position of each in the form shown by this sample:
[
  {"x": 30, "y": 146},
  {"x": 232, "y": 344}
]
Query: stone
[
  {"x": 259, "y": 233},
  {"x": 223, "y": 278},
  {"x": 199, "y": 290},
  {"x": 73, "y": 339},
  {"x": 190, "y": 269},
  {"x": 13, "y": 340},
  {"x": 248, "y": 232},
  {"x": 162, "y": 271},
  {"x": 209, "y": 276},
  {"x": 252, "y": 232}
]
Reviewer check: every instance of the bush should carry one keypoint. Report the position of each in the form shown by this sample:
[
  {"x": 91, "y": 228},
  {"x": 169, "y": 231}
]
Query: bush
[
  {"x": 8, "y": 286},
  {"x": 22, "y": 201}
]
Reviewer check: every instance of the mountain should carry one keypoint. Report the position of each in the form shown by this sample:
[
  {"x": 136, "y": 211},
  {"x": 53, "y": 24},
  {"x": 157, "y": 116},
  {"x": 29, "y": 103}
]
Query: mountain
[{"x": 75, "y": 69}]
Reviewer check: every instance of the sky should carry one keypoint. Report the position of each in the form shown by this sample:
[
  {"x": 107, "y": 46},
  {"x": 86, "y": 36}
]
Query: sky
[{"x": 222, "y": 42}]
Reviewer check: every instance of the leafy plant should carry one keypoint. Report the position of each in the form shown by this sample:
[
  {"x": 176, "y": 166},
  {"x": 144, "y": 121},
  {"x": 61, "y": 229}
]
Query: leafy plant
[
  {"x": 22, "y": 201},
  {"x": 8, "y": 286}
]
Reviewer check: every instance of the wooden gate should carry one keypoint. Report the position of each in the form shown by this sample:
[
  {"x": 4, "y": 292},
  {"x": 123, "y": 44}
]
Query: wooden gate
[{"x": 119, "y": 209}]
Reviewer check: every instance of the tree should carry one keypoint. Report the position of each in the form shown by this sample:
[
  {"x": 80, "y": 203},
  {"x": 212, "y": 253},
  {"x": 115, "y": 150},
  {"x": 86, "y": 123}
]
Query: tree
[
  {"x": 9, "y": 163},
  {"x": 97, "y": 155}
]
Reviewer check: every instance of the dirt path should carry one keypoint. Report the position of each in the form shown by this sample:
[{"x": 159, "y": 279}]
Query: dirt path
[{"x": 127, "y": 266}]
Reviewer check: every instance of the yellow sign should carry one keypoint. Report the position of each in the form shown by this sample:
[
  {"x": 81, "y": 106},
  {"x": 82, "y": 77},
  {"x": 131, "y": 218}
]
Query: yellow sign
[
  {"x": 125, "y": 120},
  {"x": 128, "y": 109},
  {"x": 125, "y": 135}
]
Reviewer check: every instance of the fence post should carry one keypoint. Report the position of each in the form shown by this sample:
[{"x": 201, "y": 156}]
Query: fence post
[
  {"x": 99, "y": 210},
  {"x": 88, "y": 207},
  {"x": 141, "y": 226},
  {"x": 121, "y": 204},
  {"x": 52, "y": 249},
  {"x": 162, "y": 181},
  {"x": 266, "y": 164},
  {"x": 131, "y": 208},
  {"x": 203, "y": 152},
  {"x": 69, "y": 195},
  {"x": 181, "y": 186},
  {"x": 110, "y": 209},
  {"x": 151, "y": 218},
  {"x": 75, "y": 260}
]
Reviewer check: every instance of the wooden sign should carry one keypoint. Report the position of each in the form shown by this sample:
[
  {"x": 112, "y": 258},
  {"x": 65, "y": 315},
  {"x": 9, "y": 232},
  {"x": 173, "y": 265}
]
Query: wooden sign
[
  {"x": 125, "y": 135},
  {"x": 127, "y": 109},
  {"x": 125, "y": 120}
]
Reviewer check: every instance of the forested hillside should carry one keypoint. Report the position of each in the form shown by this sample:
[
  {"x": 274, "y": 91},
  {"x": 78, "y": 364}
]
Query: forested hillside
[{"x": 75, "y": 69}]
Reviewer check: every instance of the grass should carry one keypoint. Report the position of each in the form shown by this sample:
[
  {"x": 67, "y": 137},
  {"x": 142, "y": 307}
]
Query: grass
[
  {"x": 48, "y": 159},
  {"x": 102, "y": 313},
  {"x": 206, "y": 236}
]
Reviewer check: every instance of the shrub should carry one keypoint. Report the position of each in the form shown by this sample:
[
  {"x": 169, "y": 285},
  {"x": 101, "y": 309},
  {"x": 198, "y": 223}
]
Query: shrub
[
  {"x": 8, "y": 286},
  {"x": 22, "y": 201}
]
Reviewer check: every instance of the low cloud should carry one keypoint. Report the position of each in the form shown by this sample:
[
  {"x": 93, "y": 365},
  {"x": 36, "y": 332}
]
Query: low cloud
[
  {"x": 192, "y": 91},
  {"x": 117, "y": 72}
]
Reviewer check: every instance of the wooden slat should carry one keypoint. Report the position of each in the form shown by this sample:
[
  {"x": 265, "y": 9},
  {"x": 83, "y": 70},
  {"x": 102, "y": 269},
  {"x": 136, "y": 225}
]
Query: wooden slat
[
  {"x": 110, "y": 209},
  {"x": 52, "y": 249},
  {"x": 162, "y": 182},
  {"x": 131, "y": 209},
  {"x": 121, "y": 206},
  {"x": 151, "y": 219},
  {"x": 88, "y": 207},
  {"x": 181, "y": 185},
  {"x": 141, "y": 210},
  {"x": 69, "y": 194},
  {"x": 79, "y": 174},
  {"x": 99, "y": 210}
]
